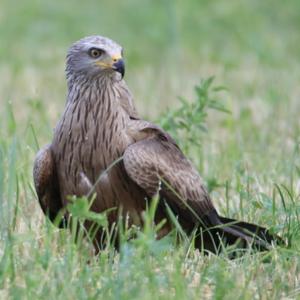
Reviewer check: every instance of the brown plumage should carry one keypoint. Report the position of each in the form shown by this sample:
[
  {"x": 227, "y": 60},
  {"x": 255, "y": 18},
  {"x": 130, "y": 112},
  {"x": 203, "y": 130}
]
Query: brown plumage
[{"x": 100, "y": 125}]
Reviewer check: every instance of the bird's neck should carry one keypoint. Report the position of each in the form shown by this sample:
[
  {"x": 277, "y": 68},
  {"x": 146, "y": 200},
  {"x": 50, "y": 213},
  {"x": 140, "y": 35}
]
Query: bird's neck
[
  {"x": 94, "y": 95},
  {"x": 99, "y": 80},
  {"x": 107, "y": 92},
  {"x": 97, "y": 108}
]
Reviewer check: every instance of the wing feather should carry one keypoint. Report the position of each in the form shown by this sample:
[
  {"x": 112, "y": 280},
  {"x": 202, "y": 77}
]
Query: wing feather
[
  {"x": 156, "y": 164},
  {"x": 46, "y": 183}
]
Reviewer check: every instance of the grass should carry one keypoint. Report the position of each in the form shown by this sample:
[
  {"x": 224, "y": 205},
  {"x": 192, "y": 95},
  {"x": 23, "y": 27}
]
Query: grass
[{"x": 249, "y": 158}]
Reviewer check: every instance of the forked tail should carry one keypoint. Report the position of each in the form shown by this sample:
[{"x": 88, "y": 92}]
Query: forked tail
[{"x": 221, "y": 231}]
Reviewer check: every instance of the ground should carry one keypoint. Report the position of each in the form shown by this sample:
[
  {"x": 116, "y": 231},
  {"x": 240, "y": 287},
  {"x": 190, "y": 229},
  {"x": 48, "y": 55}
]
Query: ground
[{"x": 249, "y": 157}]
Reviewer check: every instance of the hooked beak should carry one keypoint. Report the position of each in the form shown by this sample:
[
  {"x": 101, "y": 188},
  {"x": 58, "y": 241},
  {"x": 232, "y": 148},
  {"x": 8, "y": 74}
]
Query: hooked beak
[{"x": 119, "y": 66}]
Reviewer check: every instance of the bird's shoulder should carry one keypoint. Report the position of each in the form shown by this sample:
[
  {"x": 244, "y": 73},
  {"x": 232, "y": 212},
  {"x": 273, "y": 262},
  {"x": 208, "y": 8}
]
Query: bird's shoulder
[{"x": 141, "y": 130}]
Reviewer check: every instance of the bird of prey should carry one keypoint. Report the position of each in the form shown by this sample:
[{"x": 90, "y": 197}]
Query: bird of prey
[{"x": 100, "y": 126}]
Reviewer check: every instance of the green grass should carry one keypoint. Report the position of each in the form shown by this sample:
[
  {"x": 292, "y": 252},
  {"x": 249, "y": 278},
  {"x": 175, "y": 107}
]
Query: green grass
[{"x": 249, "y": 158}]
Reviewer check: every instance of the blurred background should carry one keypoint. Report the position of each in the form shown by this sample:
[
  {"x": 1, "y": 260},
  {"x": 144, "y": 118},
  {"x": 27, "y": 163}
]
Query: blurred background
[{"x": 251, "y": 47}]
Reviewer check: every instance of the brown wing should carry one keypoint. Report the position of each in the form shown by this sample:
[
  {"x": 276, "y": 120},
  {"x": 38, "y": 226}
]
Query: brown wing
[
  {"x": 46, "y": 184},
  {"x": 156, "y": 163}
]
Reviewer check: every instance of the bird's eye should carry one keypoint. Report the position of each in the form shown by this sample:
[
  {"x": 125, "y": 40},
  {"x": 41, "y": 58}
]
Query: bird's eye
[{"x": 95, "y": 53}]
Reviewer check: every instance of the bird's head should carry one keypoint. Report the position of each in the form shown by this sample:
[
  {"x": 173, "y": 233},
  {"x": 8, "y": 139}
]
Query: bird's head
[{"x": 94, "y": 56}]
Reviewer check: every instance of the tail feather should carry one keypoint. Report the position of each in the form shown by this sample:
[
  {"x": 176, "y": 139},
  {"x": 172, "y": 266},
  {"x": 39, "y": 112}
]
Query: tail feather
[
  {"x": 225, "y": 231},
  {"x": 253, "y": 229}
]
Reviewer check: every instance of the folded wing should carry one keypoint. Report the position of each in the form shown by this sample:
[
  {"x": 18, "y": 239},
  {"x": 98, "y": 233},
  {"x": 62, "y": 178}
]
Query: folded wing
[{"x": 156, "y": 164}]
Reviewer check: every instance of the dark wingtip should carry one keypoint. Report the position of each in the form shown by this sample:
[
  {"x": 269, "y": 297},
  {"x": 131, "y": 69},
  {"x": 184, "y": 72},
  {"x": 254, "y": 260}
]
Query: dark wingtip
[{"x": 252, "y": 229}]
